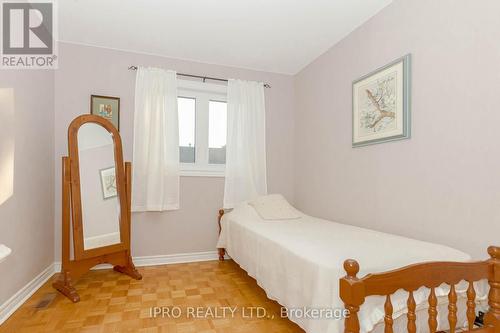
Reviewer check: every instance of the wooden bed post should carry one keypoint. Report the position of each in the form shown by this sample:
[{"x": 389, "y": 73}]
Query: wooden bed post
[
  {"x": 352, "y": 294},
  {"x": 222, "y": 251},
  {"x": 493, "y": 316}
]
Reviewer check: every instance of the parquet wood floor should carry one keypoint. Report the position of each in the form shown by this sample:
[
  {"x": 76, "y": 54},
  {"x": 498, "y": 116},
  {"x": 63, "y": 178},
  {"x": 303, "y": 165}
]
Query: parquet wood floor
[{"x": 112, "y": 302}]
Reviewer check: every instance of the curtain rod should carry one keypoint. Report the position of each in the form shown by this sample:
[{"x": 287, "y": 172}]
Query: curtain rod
[{"x": 134, "y": 68}]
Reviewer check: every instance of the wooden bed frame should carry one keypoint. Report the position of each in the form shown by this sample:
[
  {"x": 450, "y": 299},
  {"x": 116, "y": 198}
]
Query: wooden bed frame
[
  {"x": 354, "y": 290},
  {"x": 222, "y": 252}
]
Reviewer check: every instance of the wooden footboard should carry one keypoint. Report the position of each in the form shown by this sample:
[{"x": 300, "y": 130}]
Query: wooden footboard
[{"x": 354, "y": 290}]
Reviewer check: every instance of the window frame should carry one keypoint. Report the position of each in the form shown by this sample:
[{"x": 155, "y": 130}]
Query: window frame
[{"x": 203, "y": 93}]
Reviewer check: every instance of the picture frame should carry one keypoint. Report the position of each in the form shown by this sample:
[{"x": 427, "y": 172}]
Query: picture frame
[
  {"x": 107, "y": 107},
  {"x": 108, "y": 183},
  {"x": 381, "y": 104}
]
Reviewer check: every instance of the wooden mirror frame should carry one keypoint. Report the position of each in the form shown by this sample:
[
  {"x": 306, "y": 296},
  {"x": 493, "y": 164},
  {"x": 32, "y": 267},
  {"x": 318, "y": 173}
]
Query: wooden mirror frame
[
  {"x": 76, "y": 197},
  {"x": 117, "y": 254}
]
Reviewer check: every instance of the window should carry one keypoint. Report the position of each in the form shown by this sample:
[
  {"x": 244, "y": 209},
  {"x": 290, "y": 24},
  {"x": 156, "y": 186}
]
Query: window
[
  {"x": 187, "y": 126},
  {"x": 217, "y": 130},
  {"x": 202, "y": 128}
]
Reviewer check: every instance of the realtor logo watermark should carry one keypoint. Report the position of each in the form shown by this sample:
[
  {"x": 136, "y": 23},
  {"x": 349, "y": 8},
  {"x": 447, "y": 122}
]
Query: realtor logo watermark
[{"x": 28, "y": 35}]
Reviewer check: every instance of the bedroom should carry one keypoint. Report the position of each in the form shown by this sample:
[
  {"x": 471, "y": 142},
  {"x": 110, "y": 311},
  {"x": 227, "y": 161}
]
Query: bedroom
[{"x": 422, "y": 190}]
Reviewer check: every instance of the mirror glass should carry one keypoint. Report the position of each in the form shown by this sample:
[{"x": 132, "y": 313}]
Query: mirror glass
[{"x": 99, "y": 195}]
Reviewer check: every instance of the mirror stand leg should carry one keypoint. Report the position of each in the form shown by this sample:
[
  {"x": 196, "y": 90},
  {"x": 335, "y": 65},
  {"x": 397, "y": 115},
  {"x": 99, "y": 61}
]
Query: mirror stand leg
[
  {"x": 129, "y": 270},
  {"x": 64, "y": 285}
]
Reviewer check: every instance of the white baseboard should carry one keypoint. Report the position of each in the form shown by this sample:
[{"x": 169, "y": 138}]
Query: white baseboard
[
  {"x": 13, "y": 303},
  {"x": 166, "y": 259},
  {"x": 176, "y": 258}
]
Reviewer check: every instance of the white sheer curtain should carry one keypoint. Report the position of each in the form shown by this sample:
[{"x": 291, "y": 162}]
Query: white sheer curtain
[
  {"x": 246, "y": 142},
  {"x": 155, "y": 184}
]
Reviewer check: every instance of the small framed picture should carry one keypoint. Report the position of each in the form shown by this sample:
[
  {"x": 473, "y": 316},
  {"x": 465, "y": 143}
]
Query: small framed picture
[
  {"x": 381, "y": 104},
  {"x": 108, "y": 183},
  {"x": 106, "y": 107}
]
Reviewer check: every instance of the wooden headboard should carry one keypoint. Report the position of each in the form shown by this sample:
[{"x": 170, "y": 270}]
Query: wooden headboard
[{"x": 222, "y": 252}]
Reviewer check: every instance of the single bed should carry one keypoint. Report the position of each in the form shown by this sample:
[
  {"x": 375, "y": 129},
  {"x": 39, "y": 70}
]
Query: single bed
[{"x": 301, "y": 264}]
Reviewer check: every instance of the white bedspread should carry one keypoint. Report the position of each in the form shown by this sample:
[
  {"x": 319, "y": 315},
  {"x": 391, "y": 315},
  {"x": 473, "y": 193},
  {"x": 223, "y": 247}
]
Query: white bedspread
[{"x": 299, "y": 263}]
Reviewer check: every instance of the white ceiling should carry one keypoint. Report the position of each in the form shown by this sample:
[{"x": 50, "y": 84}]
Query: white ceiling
[{"x": 281, "y": 36}]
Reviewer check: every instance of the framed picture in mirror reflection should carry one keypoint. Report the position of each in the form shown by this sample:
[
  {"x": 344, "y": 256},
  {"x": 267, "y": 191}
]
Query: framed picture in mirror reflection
[{"x": 108, "y": 183}]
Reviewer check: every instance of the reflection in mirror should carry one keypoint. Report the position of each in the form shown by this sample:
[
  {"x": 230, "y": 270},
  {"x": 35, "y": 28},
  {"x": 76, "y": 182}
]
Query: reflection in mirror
[{"x": 100, "y": 202}]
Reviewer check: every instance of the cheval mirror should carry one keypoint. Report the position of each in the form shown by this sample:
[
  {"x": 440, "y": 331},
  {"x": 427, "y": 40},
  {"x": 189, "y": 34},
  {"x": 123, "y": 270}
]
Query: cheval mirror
[{"x": 96, "y": 194}]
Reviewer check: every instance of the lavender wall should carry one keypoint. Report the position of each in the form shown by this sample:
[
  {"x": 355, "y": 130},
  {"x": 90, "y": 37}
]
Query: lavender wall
[
  {"x": 26, "y": 218},
  {"x": 442, "y": 185},
  {"x": 87, "y": 70}
]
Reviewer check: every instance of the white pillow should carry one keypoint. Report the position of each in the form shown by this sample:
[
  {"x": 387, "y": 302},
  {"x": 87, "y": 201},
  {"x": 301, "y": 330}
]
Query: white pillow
[{"x": 274, "y": 207}]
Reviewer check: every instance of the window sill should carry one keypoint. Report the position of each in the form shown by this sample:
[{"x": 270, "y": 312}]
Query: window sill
[{"x": 202, "y": 173}]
